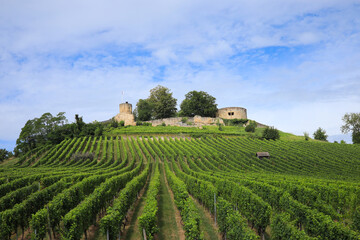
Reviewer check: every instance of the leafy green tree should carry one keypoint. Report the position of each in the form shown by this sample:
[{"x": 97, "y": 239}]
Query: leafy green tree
[
  {"x": 271, "y": 133},
  {"x": 320, "y": 134},
  {"x": 4, "y": 154},
  {"x": 144, "y": 110},
  {"x": 162, "y": 102},
  {"x": 198, "y": 103},
  {"x": 352, "y": 124},
  {"x": 37, "y": 131}
]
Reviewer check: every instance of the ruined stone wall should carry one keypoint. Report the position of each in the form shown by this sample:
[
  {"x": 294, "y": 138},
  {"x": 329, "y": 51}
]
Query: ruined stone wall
[
  {"x": 232, "y": 113},
  {"x": 196, "y": 121},
  {"x": 127, "y": 118}
]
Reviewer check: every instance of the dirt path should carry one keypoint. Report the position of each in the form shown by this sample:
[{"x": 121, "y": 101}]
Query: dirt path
[{"x": 169, "y": 219}]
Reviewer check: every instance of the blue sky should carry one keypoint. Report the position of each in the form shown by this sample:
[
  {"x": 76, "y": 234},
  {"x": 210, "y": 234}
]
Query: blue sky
[{"x": 294, "y": 65}]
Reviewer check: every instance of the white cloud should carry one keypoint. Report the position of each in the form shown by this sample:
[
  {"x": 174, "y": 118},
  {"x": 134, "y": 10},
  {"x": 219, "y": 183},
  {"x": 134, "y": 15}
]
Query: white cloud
[{"x": 78, "y": 56}]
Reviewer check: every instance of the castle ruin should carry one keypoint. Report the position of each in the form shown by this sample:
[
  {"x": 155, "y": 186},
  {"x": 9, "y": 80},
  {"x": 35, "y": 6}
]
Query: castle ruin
[
  {"x": 232, "y": 113},
  {"x": 127, "y": 116}
]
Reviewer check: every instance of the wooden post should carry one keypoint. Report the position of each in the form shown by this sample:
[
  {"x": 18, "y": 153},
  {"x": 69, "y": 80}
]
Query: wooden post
[
  {"x": 215, "y": 206},
  {"x": 107, "y": 234},
  {"x": 48, "y": 218},
  {"x": 144, "y": 233}
]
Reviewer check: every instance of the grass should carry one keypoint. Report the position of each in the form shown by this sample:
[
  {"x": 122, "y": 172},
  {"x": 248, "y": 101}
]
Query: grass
[
  {"x": 166, "y": 214},
  {"x": 133, "y": 232},
  {"x": 206, "y": 227}
]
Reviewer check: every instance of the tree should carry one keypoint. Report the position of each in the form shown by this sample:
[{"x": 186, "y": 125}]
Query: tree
[
  {"x": 144, "y": 110},
  {"x": 320, "y": 134},
  {"x": 38, "y": 131},
  {"x": 271, "y": 133},
  {"x": 352, "y": 124},
  {"x": 4, "y": 154},
  {"x": 198, "y": 103},
  {"x": 162, "y": 102}
]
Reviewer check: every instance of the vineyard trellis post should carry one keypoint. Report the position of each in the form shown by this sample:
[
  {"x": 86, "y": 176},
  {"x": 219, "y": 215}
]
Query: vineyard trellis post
[
  {"x": 144, "y": 233},
  {"x": 215, "y": 206},
  {"x": 107, "y": 234},
  {"x": 48, "y": 218}
]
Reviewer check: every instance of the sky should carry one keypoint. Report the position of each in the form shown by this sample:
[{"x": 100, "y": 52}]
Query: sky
[{"x": 294, "y": 65}]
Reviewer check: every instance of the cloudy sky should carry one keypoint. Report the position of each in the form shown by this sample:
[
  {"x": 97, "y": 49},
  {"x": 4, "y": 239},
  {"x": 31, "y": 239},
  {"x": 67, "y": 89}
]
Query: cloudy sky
[{"x": 293, "y": 64}]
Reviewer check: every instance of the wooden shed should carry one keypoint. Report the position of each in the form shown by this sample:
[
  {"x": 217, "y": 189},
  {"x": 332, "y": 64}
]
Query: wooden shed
[{"x": 261, "y": 155}]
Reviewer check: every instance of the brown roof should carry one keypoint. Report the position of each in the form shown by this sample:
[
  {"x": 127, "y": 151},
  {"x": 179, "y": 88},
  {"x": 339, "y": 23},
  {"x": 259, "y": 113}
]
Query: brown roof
[{"x": 262, "y": 154}]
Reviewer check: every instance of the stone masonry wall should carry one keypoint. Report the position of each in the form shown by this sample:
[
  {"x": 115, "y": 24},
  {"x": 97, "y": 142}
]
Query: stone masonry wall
[{"x": 196, "y": 121}]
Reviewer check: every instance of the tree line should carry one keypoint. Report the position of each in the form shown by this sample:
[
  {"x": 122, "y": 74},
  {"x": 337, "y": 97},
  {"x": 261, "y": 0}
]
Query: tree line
[{"x": 161, "y": 104}]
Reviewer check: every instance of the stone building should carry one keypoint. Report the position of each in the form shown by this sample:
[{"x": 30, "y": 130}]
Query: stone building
[
  {"x": 126, "y": 114},
  {"x": 232, "y": 113}
]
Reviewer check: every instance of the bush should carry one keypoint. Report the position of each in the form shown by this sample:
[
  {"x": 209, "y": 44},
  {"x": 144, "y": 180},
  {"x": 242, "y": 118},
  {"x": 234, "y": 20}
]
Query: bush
[
  {"x": 271, "y": 133},
  {"x": 140, "y": 123},
  {"x": 163, "y": 124},
  {"x": 122, "y": 123},
  {"x": 306, "y": 136},
  {"x": 251, "y": 127},
  {"x": 235, "y": 122},
  {"x": 76, "y": 157},
  {"x": 184, "y": 119}
]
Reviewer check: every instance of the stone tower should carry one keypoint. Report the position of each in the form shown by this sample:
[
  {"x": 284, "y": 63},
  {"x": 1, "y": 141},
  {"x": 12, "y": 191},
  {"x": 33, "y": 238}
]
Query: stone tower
[
  {"x": 125, "y": 108},
  {"x": 232, "y": 113},
  {"x": 125, "y": 114}
]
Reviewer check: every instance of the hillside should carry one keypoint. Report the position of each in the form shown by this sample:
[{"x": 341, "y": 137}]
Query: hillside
[
  {"x": 193, "y": 131},
  {"x": 305, "y": 190}
]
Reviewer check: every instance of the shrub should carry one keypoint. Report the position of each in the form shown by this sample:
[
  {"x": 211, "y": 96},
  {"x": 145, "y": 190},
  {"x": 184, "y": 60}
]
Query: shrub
[
  {"x": 114, "y": 123},
  {"x": 163, "y": 124},
  {"x": 76, "y": 157},
  {"x": 122, "y": 123},
  {"x": 306, "y": 136},
  {"x": 250, "y": 128},
  {"x": 184, "y": 119},
  {"x": 140, "y": 123},
  {"x": 271, "y": 133},
  {"x": 235, "y": 122}
]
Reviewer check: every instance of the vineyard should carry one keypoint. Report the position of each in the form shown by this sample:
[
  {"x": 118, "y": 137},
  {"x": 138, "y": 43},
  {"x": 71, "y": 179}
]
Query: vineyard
[{"x": 96, "y": 187}]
